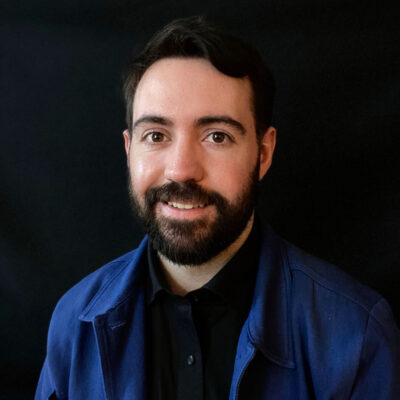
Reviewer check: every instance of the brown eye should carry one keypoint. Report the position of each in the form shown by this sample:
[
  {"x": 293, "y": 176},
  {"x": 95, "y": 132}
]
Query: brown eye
[
  {"x": 156, "y": 137},
  {"x": 218, "y": 137}
]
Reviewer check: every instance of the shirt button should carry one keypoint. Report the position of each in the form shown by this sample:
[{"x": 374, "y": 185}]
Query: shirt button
[{"x": 190, "y": 360}]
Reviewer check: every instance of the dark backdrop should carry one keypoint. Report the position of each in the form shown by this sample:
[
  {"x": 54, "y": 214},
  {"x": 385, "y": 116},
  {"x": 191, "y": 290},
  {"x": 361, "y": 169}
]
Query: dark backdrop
[{"x": 333, "y": 189}]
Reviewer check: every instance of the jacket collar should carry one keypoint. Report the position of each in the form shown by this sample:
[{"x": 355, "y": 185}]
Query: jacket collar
[
  {"x": 125, "y": 282},
  {"x": 269, "y": 323}
]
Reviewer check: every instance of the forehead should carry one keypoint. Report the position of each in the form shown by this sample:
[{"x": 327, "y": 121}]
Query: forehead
[{"x": 189, "y": 88}]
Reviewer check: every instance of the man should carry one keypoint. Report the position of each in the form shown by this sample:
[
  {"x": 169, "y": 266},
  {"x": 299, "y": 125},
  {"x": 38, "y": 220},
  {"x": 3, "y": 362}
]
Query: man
[{"x": 212, "y": 305}]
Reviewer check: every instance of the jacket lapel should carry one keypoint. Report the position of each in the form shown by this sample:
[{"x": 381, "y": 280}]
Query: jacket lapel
[
  {"x": 121, "y": 345},
  {"x": 268, "y": 326},
  {"x": 117, "y": 314}
]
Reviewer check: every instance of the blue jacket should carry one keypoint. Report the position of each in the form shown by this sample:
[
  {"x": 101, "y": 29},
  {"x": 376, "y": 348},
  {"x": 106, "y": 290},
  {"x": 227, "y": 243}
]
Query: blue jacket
[{"x": 312, "y": 333}]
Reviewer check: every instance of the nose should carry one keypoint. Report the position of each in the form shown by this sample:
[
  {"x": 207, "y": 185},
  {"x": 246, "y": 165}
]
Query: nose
[{"x": 183, "y": 161}]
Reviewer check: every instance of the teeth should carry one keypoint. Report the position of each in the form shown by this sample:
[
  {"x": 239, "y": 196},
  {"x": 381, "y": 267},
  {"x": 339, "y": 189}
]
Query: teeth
[{"x": 184, "y": 206}]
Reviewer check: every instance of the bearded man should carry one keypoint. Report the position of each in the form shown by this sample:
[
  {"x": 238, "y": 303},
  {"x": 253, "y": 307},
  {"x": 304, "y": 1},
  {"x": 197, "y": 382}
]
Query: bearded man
[{"x": 212, "y": 305}]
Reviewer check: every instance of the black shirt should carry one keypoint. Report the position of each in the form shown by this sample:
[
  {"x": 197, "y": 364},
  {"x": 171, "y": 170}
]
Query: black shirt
[{"x": 192, "y": 339}]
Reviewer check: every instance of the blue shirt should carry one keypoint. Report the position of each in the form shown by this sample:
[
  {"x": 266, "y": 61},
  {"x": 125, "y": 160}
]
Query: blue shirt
[{"x": 312, "y": 332}]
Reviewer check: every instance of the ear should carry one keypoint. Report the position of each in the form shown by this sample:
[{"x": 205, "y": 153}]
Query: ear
[
  {"x": 267, "y": 147},
  {"x": 127, "y": 141}
]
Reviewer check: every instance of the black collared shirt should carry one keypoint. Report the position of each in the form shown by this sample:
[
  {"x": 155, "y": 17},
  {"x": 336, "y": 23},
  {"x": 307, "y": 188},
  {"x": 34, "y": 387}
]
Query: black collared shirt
[{"x": 192, "y": 339}]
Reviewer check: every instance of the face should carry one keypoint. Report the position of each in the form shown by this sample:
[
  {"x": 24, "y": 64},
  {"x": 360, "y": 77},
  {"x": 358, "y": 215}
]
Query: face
[{"x": 193, "y": 158}]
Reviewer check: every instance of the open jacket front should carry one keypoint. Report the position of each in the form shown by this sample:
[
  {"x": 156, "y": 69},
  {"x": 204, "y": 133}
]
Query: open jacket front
[{"x": 312, "y": 333}]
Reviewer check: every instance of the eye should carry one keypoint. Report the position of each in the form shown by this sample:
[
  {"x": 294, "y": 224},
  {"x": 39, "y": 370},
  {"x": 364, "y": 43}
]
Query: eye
[
  {"x": 218, "y": 137},
  {"x": 155, "y": 137}
]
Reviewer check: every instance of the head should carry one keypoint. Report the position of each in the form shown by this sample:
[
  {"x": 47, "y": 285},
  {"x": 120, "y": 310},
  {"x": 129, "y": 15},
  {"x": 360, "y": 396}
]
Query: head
[
  {"x": 199, "y": 138},
  {"x": 195, "y": 37}
]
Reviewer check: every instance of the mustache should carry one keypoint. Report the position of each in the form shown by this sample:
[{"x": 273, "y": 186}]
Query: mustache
[{"x": 184, "y": 191}]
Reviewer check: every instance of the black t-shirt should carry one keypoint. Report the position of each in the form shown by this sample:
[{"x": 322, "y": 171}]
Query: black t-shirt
[{"x": 192, "y": 339}]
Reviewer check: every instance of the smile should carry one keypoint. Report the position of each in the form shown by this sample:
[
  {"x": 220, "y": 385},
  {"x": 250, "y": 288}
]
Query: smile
[{"x": 183, "y": 206}]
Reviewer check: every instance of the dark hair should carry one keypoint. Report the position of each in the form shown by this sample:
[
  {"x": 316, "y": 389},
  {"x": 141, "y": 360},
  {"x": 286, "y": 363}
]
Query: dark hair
[{"x": 198, "y": 38}]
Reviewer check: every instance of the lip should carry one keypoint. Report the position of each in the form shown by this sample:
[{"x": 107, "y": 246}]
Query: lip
[{"x": 181, "y": 213}]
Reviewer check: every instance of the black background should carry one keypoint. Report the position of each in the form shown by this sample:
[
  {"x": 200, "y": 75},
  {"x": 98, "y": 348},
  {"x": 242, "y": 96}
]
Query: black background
[{"x": 333, "y": 188}]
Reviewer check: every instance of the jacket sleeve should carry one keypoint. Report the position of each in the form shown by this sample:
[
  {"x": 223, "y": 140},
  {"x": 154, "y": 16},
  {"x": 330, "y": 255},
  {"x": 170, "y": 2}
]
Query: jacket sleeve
[
  {"x": 54, "y": 375},
  {"x": 45, "y": 388},
  {"x": 378, "y": 376}
]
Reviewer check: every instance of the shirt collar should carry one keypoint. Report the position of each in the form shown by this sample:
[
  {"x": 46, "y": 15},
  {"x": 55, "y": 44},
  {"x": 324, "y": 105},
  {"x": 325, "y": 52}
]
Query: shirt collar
[
  {"x": 234, "y": 283},
  {"x": 156, "y": 282}
]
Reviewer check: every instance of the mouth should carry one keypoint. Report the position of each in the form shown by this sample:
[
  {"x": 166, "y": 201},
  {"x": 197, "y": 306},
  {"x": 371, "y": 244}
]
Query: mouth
[
  {"x": 184, "y": 209},
  {"x": 185, "y": 206}
]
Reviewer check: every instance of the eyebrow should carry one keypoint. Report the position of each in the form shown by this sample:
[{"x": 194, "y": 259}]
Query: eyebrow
[
  {"x": 155, "y": 119},
  {"x": 221, "y": 119},
  {"x": 202, "y": 121}
]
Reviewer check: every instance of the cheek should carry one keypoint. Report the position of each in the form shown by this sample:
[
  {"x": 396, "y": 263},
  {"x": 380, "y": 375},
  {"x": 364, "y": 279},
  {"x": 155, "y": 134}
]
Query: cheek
[
  {"x": 145, "y": 172},
  {"x": 231, "y": 177}
]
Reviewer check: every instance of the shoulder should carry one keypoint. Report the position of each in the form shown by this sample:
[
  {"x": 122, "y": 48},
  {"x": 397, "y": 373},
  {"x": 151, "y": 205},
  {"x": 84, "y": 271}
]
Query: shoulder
[
  {"x": 102, "y": 286},
  {"x": 324, "y": 291},
  {"x": 343, "y": 324},
  {"x": 327, "y": 277},
  {"x": 71, "y": 337},
  {"x": 80, "y": 295}
]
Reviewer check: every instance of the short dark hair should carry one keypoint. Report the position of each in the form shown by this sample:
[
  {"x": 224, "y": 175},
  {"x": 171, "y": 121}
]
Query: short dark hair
[{"x": 196, "y": 37}]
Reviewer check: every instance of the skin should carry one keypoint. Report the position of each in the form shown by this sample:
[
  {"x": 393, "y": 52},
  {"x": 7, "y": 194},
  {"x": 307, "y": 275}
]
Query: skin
[{"x": 191, "y": 122}]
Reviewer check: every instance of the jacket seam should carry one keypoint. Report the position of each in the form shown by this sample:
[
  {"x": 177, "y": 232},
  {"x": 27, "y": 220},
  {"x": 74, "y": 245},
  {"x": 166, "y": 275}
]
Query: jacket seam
[
  {"x": 331, "y": 289},
  {"x": 362, "y": 350},
  {"x": 100, "y": 292},
  {"x": 288, "y": 301}
]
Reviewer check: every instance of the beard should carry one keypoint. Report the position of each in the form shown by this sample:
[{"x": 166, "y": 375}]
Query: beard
[{"x": 196, "y": 241}]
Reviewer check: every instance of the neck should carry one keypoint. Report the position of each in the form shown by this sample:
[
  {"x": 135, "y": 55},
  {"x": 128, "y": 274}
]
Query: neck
[{"x": 185, "y": 278}]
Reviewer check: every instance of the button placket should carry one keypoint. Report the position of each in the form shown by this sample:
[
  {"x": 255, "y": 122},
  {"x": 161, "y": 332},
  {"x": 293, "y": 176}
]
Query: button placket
[{"x": 191, "y": 378}]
